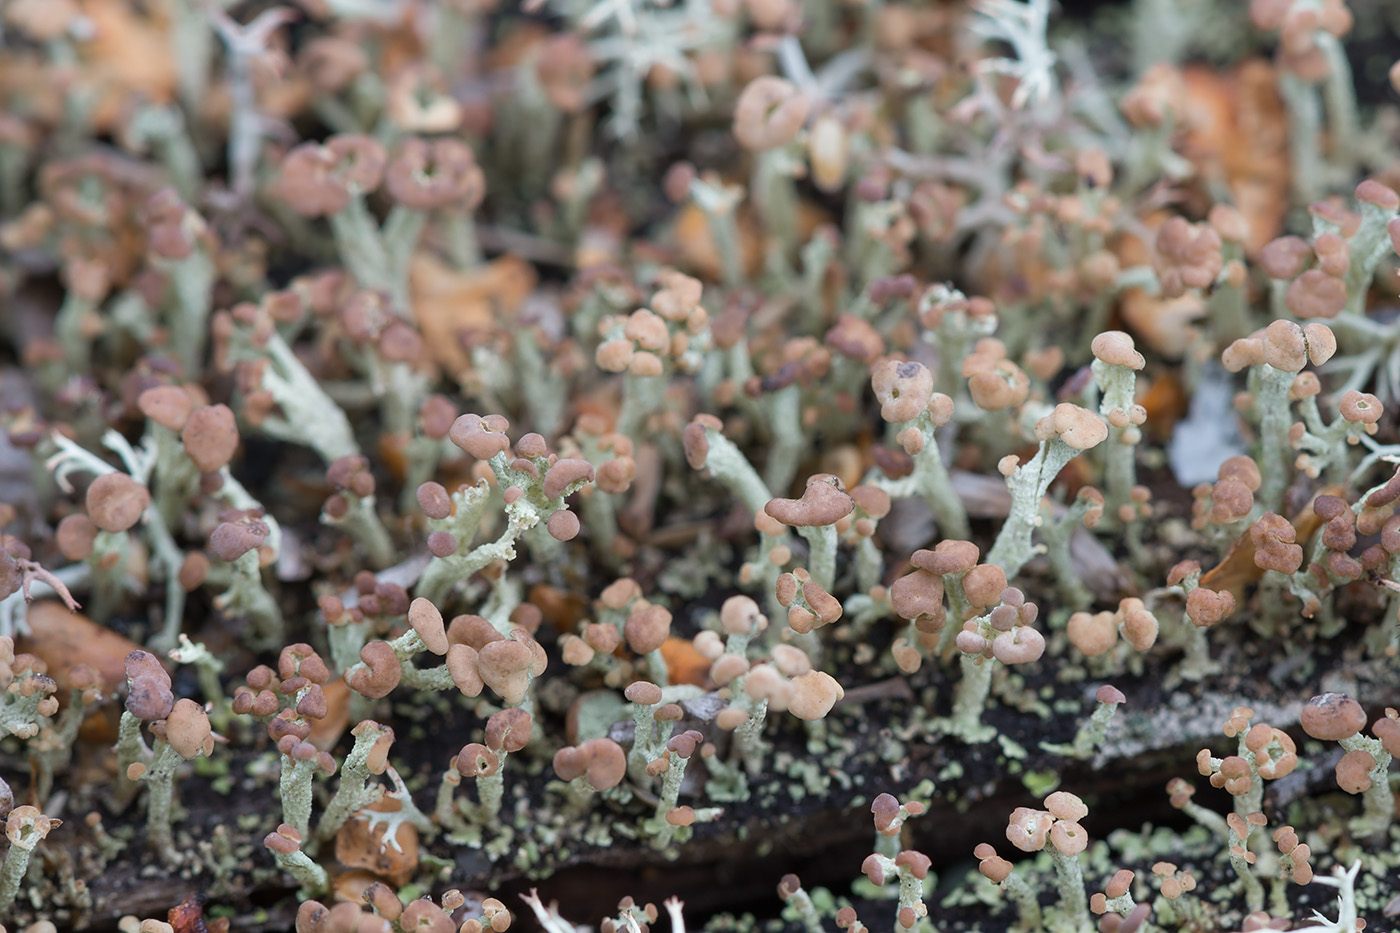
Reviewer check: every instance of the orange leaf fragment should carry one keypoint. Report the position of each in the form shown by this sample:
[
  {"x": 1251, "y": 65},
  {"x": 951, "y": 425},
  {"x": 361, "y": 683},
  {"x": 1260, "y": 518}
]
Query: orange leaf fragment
[
  {"x": 1238, "y": 569},
  {"x": 450, "y": 305},
  {"x": 63, "y": 639},
  {"x": 359, "y": 846},
  {"x": 684, "y": 665},
  {"x": 325, "y": 732}
]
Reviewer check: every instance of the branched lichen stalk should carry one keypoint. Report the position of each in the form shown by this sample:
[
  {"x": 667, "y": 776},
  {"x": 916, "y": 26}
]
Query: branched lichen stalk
[
  {"x": 1028, "y": 485},
  {"x": 247, "y": 597},
  {"x": 1239, "y": 861},
  {"x": 16, "y": 863},
  {"x": 470, "y": 505},
  {"x": 363, "y": 524},
  {"x": 357, "y": 790},
  {"x": 930, "y": 480},
  {"x": 666, "y": 801},
  {"x": 732, "y": 468},
  {"x": 648, "y": 742},
  {"x": 176, "y": 477},
  {"x": 801, "y": 902},
  {"x": 52, "y": 750},
  {"x": 1020, "y": 892},
  {"x": 1197, "y": 664},
  {"x": 1091, "y": 735},
  {"x": 310, "y": 416},
  {"x": 168, "y": 556},
  {"x": 442, "y": 574},
  {"x": 208, "y": 667},
  {"x": 310, "y": 876}
]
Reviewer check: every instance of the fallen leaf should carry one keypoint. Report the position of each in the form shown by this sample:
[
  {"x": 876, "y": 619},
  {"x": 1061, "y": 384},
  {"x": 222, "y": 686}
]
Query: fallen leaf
[
  {"x": 1237, "y": 128},
  {"x": 128, "y": 56},
  {"x": 62, "y": 639},
  {"x": 325, "y": 732},
  {"x": 188, "y": 916},
  {"x": 359, "y": 846},
  {"x": 351, "y": 885},
  {"x": 450, "y": 304},
  {"x": 1165, "y": 400},
  {"x": 391, "y": 447},
  {"x": 1166, "y": 324},
  {"x": 561, "y": 608},
  {"x": 684, "y": 665},
  {"x": 696, "y": 249},
  {"x": 1238, "y": 569}
]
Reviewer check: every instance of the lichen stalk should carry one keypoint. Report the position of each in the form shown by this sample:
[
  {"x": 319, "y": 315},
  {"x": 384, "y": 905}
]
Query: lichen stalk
[
  {"x": 969, "y": 700},
  {"x": 16, "y": 864},
  {"x": 357, "y": 789},
  {"x": 159, "y": 778},
  {"x": 1118, "y": 384},
  {"x": 931, "y": 481},
  {"x": 1276, "y": 455},
  {"x": 1069, "y": 881},
  {"x": 294, "y": 785},
  {"x": 1378, "y": 800},
  {"x": 732, "y": 468},
  {"x": 1028, "y": 486}
]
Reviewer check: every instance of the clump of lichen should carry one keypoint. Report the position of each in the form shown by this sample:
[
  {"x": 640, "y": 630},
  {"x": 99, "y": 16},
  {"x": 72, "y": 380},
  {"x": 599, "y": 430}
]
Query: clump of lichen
[{"x": 449, "y": 444}]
